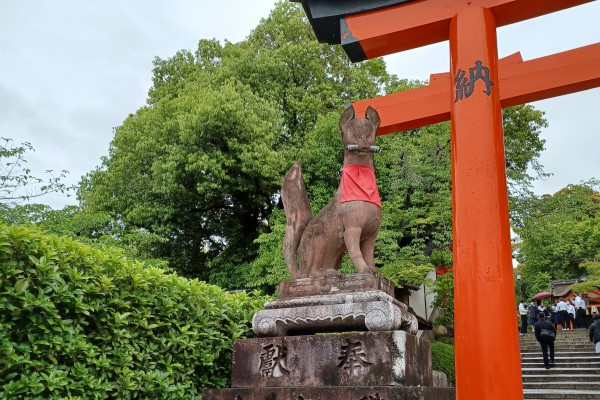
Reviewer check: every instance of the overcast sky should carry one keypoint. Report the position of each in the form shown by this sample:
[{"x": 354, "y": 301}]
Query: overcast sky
[{"x": 72, "y": 70}]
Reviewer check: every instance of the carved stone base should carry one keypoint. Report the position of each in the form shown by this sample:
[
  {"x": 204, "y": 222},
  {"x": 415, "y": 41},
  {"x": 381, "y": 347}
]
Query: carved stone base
[
  {"x": 358, "y": 359},
  {"x": 372, "y": 310},
  {"x": 333, "y": 282},
  {"x": 328, "y": 393}
]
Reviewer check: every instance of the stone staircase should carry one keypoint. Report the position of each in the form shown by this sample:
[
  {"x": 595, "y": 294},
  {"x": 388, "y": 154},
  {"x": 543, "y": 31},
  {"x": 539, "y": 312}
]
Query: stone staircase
[{"x": 576, "y": 374}]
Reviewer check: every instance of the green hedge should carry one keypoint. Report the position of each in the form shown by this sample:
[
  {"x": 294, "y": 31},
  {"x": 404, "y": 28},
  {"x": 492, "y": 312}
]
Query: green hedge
[
  {"x": 442, "y": 357},
  {"x": 78, "y": 322}
]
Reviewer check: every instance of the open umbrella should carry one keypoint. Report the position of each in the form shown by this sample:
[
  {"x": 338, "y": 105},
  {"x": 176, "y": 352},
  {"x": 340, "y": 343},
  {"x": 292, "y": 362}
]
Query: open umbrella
[{"x": 541, "y": 296}]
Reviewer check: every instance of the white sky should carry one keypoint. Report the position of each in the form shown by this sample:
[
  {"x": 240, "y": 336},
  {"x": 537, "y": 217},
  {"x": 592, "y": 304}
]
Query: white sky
[{"x": 72, "y": 70}]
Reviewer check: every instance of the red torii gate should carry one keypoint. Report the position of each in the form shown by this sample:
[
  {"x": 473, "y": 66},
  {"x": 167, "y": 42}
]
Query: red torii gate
[{"x": 472, "y": 96}]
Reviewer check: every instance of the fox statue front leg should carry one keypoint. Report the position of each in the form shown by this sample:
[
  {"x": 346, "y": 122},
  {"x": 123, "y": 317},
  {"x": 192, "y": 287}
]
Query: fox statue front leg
[{"x": 361, "y": 223}]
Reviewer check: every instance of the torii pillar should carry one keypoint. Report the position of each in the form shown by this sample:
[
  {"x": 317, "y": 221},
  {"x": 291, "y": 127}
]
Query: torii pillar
[{"x": 472, "y": 96}]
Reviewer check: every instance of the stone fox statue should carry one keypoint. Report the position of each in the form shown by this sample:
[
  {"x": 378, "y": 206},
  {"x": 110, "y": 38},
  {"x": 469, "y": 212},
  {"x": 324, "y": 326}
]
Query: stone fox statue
[{"x": 350, "y": 221}]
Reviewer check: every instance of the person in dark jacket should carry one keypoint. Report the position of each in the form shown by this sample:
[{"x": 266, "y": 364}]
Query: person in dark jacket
[
  {"x": 595, "y": 332},
  {"x": 533, "y": 313},
  {"x": 545, "y": 333}
]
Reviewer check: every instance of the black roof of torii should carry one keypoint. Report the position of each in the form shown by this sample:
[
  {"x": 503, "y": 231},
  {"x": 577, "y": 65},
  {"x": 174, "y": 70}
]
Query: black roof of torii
[{"x": 327, "y": 19}]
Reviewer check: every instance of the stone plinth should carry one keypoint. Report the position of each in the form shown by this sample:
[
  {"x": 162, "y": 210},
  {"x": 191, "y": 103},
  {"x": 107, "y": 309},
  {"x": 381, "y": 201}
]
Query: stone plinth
[
  {"x": 329, "y": 393},
  {"x": 359, "y": 359},
  {"x": 371, "y": 310},
  {"x": 333, "y": 282}
]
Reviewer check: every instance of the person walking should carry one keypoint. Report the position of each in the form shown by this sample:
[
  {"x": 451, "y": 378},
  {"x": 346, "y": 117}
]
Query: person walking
[
  {"x": 533, "y": 312},
  {"x": 561, "y": 308},
  {"x": 571, "y": 311},
  {"x": 580, "y": 316},
  {"x": 545, "y": 334},
  {"x": 523, "y": 314},
  {"x": 595, "y": 332}
]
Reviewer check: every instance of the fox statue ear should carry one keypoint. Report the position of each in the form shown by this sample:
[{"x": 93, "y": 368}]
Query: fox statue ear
[
  {"x": 373, "y": 116},
  {"x": 348, "y": 115}
]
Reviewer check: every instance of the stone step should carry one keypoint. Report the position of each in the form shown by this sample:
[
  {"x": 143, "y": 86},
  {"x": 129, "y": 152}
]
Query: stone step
[
  {"x": 587, "y": 378},
  {"x": 575, "y": 352},
  {"x": 559, "y": 363},
  {"x": 584, "y": 340},
  {"x": 569, "y": 357},
  {"x": 591, "y": 385},
  {"x": 576, "y": 374},
  {"x": 531, "y": 394},
  {"x": 559, "y": 342},
  {"x": 561, "y": 334},
  {"x": 558, "y": 370}
]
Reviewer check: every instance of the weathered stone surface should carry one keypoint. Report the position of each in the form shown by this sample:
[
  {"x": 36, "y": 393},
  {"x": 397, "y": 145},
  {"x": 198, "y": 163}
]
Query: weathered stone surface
[
  {"x": 358, "y": 359},
  {"x": 329, "y": 393},
  {"x": 440, "y": 331},
  {"x": 440, "y": 379},
  {"x": 350, "y": 221},
  {"x": 333, "y": 282},
  {"x": 373, "y": 311}
]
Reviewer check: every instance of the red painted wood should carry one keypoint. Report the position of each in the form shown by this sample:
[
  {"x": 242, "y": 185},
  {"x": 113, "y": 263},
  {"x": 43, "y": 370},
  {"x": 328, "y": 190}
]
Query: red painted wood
[
  {"x": 521, "y": 82},
  {"x": 480, "y": 222},
  {"x": 424, "y": 22}
]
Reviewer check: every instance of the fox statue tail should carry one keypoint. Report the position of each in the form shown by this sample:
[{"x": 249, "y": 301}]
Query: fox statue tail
[{"x": 297, "y": 214}]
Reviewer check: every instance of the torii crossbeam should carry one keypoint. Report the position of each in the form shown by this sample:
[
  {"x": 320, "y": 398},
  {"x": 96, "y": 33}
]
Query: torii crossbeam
[{"x": 471, "y": 96}]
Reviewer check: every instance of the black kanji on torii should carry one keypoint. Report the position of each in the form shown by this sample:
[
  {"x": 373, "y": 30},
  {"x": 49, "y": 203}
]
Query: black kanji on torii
[{"x": 466, "y": 86}]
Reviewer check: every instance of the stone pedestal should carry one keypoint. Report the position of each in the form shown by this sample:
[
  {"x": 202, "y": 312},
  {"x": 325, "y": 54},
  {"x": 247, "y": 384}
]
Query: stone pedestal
[
  {"x": 329, "y": 393},
  {"x": 359, "y": 359},
  {"x": 344, "y": 366},
  {"x": 359, "y": 311},
  {"x": 288, "y": 362},
  {"x": 333, "y": 282}
]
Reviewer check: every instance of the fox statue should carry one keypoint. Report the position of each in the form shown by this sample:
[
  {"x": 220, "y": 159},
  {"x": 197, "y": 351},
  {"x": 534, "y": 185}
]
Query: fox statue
[{"x": 352, "y": 218}]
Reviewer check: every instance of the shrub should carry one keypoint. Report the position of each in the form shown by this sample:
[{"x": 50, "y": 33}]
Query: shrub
[
  {"x": 442, "y": 358},
  {"x": 81, "y": 322}
]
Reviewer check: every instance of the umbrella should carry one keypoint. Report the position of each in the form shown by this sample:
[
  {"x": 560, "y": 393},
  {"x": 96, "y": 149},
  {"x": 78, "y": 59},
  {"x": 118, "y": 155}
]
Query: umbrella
[{"x": 541, "y": 296}]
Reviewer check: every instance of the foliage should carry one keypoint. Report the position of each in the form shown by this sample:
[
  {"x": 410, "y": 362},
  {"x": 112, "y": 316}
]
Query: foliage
[
  {"x": 77, "y": 322},
  {"x": 593, "y": 276},
  {"x": 413, "y": 174},
  {"x": 444, "y": 299},
  {"x": 559, "y": 236},
  {"x": 95, "y": 228},
  {"x": 442, "y": 358},
  {"x": 17, "y": 183},
  {"x": 201, "y": 165},
  {"x": 269, "y": 268}
]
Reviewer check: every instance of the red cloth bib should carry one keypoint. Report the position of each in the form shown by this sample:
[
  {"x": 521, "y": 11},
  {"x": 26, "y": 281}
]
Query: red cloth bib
[{"x": 358, "y": 183}]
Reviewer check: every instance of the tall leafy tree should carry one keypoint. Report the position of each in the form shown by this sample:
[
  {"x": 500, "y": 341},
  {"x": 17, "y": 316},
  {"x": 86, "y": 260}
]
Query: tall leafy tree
[
  {"x": 201, "y": 164},
  {"x": 413, "y": 175},
  {"x": 559, "y": 237}
]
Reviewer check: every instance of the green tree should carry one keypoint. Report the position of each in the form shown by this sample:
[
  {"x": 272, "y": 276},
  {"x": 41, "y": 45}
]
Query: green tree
[
  {"x": 559, "y": 236},
  {"x": 198, "y": 169},
  {"x": 201, "y": 165},
  {"x": 413, "y": 175}
]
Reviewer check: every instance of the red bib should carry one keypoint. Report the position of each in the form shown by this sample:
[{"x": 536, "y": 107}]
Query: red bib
[{"x": 358, "y": 183}]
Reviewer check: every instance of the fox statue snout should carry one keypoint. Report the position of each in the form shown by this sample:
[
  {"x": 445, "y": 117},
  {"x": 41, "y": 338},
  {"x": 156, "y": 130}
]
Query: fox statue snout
[{"x": 352, "y": 218}]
